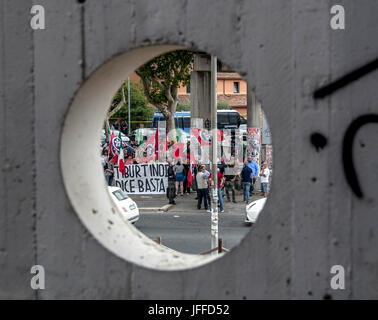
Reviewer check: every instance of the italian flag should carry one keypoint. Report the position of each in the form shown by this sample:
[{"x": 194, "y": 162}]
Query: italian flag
[
  {"x": 116, "y": 151},
  {"x": 180, "y": 137},
  {"x": 121, "y": 163},
  {"x": 191, "y": 170}
]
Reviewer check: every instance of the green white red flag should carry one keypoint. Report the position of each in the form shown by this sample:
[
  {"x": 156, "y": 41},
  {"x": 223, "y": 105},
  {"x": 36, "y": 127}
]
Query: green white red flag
[{"x": 121, "y": 162}]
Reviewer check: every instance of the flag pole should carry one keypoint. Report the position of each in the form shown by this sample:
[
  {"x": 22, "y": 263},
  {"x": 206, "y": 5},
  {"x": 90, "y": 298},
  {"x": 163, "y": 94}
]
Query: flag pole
[{"x": 128, "y": 103}]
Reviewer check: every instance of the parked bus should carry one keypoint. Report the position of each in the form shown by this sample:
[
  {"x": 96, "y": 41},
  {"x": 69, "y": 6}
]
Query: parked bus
[{"x": 227, "y": 119}]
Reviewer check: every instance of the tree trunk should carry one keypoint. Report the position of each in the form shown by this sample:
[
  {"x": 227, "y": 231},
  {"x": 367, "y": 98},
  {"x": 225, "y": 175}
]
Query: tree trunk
[
  {"x": 171, "y": 132},
  {"x": 170, "y": 119}
]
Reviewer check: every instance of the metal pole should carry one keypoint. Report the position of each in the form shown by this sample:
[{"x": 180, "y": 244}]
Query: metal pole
[
  {"x": 220, "y": 246},
  {"x": 213, "y": 102},
  {"x": 254, "y": 128},
  {"x": 128, "y": 103}
]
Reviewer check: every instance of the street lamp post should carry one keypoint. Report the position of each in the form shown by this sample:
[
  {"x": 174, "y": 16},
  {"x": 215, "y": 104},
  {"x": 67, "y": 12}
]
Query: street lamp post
[
  {"x": 214, "y": 174},
  {"x": 128, "y": 103}
]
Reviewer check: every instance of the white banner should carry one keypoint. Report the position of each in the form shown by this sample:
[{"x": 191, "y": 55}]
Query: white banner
[{"x": 145, "y": 178}]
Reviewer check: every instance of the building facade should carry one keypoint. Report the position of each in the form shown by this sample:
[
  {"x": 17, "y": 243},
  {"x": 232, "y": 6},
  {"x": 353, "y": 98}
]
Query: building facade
[{"x": 231, "y": 88}]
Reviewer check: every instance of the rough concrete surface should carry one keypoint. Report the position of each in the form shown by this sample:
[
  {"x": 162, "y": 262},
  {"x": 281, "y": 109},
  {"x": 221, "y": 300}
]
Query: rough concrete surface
[{"x": 285, "y": 50}]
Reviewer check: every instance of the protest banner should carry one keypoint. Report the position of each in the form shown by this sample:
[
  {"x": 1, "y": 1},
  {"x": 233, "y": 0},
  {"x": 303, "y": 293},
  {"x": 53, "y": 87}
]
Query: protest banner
[{"x": 145, "y": 178}]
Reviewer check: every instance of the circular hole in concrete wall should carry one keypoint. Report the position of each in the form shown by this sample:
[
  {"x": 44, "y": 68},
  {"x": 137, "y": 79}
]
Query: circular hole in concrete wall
[{"x": 156, "y": 105}]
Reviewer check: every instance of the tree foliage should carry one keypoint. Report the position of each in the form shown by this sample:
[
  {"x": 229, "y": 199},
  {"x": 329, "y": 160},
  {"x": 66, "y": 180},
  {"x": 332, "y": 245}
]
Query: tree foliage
[
  {"x": 140, "y": 110},
  {"x": 223, "y": 105},
  {"x": 161, "y": 78},
  {"x": 183, "y": 106}
]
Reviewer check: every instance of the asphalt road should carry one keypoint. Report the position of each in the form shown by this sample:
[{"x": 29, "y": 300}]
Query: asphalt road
[{"x": 187, "y": 229}]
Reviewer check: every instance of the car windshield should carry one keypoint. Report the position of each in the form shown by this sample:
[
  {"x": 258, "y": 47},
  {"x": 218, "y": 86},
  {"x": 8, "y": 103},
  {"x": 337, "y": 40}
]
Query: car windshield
[{"x": 120, "y": 195}]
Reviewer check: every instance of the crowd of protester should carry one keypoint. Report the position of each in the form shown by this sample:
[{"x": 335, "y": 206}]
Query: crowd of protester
[
  {"x": 228, "y": 173},
  {"x": 178, "y": 171}
]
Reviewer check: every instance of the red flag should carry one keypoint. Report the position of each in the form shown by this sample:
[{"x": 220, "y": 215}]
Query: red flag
[
  {"x": 191, "y": 170},
  {"x": 220, "y": 135},
  {"x": 179, "y": 149},
  {"x": 121, "y": 163}
]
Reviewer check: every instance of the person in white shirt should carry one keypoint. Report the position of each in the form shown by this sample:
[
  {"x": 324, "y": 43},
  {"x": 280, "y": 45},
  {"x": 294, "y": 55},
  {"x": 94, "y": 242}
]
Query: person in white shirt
[
  {"x": 203, "y": 188},
  {"x": 265, "y": 174}
]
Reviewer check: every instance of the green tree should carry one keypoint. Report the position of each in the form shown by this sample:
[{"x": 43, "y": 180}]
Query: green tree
[
  {"x": 223, "y": 105},
  {"x": 183, "y": 106},
  {"x": 161, "y": 78},
  {"x": 140, "y": 110}
]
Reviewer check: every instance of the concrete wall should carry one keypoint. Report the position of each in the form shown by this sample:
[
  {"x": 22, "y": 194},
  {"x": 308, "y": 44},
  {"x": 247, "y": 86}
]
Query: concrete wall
[{"x": 285, "y": 50}]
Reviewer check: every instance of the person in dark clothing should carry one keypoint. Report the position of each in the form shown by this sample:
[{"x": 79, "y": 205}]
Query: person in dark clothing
[
  {"x": 124, "y": 127},
  {"x": 188, "y": 151},
  {"x": 109, "y": 171},
  {"x": 246, "y": 176},
  {"x": 222, "y": 166},
  {"x": 186, "y": 170},
  {"x": 171, "y": 191},
  {"x": 230, "y": 176},
  {"x": 196, "y": 170},
  {"x": 129, "y": 150}
]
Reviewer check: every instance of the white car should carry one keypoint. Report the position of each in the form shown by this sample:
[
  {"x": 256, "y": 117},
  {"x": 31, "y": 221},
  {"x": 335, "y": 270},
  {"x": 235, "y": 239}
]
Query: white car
[
  {"x": 125, "y": 204},
  {"x": 253, "y": 210}
]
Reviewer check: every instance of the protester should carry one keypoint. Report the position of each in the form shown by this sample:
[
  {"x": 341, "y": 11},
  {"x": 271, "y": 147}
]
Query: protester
[
  {"x": 265, "y": 174},
  {"x": 230, "y": 177},
  {"x": 207, "y": 177},
  {"x": 130, "y": 150},
  {"x": 186, "y": 171},
  {"x": 130, "y": 159},
  {"x": 247, "y": 176},
  {"x": 146, "y": 159},
  {"x": 104, "y": 157},
  {"x": 203, "y": 189},
  {"x": 171, "y": 191},
  {"x": 220, "y": 182},
  {"x": 222, "y": 166},
  {"x": 124, "y": 127},
  {"x": 196, "y": 170},
  {"x": 109, "y": 171},
  {"x": 188, "y": 151},
  {"x": 255, "y": 169},
  {"x": 180, "y": 178}
]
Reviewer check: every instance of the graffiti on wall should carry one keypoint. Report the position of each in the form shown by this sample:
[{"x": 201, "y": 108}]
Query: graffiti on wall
[
  {"x": 354, "y": 127},
  {"x": 269, "y": 155},
  {"x": 253, "y": 142}
]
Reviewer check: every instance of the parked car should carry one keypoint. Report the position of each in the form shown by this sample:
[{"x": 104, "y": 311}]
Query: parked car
[
  {"x": 253, "y": 210},
  {"x": 125, "y": 204},
  {"x": 142, "y": 134}
]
